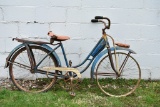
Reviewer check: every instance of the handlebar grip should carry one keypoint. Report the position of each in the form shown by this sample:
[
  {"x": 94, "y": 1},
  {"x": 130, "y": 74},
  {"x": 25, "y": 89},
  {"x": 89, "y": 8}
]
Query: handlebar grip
[
  {"x": 94, "y": 20},
  {"x": 98, "y": 17}
]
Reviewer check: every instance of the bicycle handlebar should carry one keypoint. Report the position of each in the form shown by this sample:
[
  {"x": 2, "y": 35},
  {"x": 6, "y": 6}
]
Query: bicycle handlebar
[
  {"x": 94, "y": 20},
  {"x": 97, "y": 19}
]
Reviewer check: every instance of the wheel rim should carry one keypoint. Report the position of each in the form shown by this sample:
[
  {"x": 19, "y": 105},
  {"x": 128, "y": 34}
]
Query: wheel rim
[
  {"x": 124, "y": 85},
  {"x": 23, "y": 78}
]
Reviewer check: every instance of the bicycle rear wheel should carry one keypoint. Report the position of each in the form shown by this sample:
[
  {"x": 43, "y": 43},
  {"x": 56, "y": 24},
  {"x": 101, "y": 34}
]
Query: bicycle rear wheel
[
  {"x": 21, "y": 76},
  {"x": 123, "y": 85}
]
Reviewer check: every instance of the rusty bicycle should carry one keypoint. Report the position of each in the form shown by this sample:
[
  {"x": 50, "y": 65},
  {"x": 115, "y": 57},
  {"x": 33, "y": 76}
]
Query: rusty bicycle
[{"x": 34, "y": 66}]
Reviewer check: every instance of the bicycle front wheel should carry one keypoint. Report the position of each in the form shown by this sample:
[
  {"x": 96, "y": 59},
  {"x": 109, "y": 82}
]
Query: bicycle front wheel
[
  {"x": 118, "y": 86},
  {"x": 20, "y": 70}
]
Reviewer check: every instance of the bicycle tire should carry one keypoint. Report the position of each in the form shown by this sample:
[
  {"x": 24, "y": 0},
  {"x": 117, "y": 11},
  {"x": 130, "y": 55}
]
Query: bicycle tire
[
  {"x": 123, "y": 85},
  {"x": 21, "y": 76}
]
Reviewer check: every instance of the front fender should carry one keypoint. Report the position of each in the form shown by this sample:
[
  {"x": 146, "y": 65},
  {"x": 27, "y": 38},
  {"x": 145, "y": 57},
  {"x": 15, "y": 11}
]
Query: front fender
[
  {"x": 104, "y": 53},
  {"x": 22, "y": 45}
]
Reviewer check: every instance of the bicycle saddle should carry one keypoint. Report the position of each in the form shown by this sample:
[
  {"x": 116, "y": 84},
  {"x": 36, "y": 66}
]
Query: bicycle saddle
[
  {"x": 122, "y": 45},
  {"x": 57, "y": 37}
]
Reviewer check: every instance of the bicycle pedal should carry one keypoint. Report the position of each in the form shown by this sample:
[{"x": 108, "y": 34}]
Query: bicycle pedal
[{"x": 73, "y": 94}]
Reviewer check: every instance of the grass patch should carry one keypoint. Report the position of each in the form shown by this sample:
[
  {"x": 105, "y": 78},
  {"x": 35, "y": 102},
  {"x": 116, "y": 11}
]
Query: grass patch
[{"x": 87, "y": 95}]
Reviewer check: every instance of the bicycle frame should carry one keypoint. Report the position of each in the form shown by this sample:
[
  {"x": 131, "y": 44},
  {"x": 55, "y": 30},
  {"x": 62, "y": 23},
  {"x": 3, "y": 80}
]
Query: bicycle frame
[{"x": 94, "y": 56}]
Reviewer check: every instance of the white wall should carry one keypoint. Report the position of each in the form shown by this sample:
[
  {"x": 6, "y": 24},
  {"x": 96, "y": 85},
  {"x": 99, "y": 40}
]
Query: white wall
[{"x": 135, "y": 22}]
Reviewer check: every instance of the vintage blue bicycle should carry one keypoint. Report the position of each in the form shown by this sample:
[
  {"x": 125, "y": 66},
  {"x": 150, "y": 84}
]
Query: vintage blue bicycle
[{"x": 35, "y": 67}]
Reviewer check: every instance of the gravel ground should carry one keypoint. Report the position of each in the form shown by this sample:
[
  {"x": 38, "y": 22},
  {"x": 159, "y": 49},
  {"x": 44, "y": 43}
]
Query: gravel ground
[{"x": 7, "y": 84}]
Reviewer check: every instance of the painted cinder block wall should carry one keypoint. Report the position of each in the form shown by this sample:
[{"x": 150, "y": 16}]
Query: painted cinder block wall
[{"x": 135, "y": 22}]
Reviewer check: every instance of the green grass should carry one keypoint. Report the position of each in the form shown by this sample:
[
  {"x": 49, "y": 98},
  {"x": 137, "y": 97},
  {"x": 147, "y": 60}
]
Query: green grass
[{"x": 146, "y": 95}]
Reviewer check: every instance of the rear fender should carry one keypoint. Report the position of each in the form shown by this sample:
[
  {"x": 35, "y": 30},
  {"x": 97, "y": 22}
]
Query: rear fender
[
  {"x": 22, "y": 45},
  {"x": 105, "y": 52}
]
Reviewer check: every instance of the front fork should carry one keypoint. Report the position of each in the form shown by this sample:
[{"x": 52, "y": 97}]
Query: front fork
[
  {"x": 118, "y": 73},
  {"x": 31, "y": 57}
]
